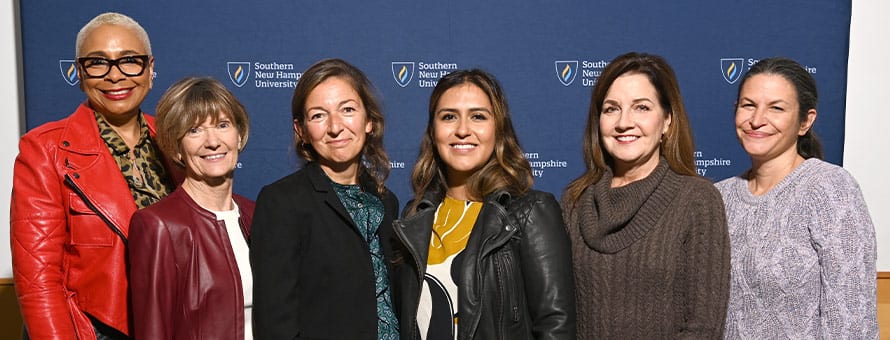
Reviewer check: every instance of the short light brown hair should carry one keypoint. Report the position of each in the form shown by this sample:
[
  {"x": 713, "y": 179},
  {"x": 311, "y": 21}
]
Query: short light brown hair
[{"x": 189, "y": 103}]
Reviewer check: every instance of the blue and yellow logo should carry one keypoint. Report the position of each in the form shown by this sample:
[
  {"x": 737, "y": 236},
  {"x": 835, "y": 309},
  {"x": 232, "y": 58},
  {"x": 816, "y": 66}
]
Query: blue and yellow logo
[
  {"x": 732, "y": 69},
  {"x": 566, "y": 70},
  {"x": 69, "y": 71},
  {"x": 403, "y": 72},
  {"x": 239, "y": 72}
]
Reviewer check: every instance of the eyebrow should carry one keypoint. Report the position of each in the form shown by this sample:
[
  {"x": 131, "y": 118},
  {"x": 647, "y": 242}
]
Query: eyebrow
[
  {"x": 472, "y": 109},
  {"x": 338, "y": 105}
]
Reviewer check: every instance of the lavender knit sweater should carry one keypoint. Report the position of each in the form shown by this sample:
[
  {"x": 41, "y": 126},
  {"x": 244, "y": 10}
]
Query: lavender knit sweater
[{"x": 803, "y": 257}]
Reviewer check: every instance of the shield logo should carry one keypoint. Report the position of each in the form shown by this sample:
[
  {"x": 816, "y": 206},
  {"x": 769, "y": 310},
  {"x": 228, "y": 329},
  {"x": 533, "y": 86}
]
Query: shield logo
[
  {"x": 731, "y": 69},
  {"x": 239, "y": 71},
  {"x": 403, "y": 72},
  {"x": 69, "y": 71},
  {"x": 566, "y": 71}
]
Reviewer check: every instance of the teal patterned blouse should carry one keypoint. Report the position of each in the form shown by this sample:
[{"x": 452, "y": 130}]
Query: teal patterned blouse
[{"x": 366, "y": 211}]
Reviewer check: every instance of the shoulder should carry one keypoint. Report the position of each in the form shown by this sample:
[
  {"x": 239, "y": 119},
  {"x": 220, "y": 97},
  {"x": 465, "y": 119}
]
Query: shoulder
[
  {"x": 244, "y": 204},
  {"x": 293, "y": 183}
]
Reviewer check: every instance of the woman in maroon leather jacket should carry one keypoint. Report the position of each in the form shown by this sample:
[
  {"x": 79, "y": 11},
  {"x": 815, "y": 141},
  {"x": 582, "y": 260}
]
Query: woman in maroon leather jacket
[{"x": 189, "y": 268}]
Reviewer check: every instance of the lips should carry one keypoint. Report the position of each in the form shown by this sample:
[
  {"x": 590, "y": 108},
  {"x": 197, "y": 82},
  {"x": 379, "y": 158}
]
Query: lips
[
  {"x": 463, "y": 146},
  {"x": 627, "y": 139},
  {"x": 756, "y": 134},
  {"x": 214, "y": 157},
  {"x": 117, "y": 94}
]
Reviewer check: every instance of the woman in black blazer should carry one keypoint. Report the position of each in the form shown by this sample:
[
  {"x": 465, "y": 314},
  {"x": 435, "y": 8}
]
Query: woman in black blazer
[{"x": 320, "y": 240}]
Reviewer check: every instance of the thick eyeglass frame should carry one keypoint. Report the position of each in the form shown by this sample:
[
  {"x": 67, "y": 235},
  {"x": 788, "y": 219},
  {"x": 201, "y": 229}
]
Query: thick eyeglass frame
[{"x": 113, "y": 62}]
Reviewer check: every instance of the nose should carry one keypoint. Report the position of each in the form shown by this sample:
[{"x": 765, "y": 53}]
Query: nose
[
  {"x": 211, "y": 139},
  {"x": 335, "y": 124},
  {"x": 462, "y": 129},
  {"x": 114, "y": 74},
  {"x": 625, "y": 121},
  {"x": 758, "y": 118}
]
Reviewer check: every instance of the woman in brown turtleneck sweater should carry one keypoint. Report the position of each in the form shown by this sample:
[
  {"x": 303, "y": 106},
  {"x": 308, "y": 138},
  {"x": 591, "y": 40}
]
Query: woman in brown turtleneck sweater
[{"x": 649, "y": 238}]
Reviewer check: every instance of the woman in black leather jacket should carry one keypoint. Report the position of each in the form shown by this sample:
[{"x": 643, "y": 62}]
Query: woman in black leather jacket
[{"x": 482, "y": 255}]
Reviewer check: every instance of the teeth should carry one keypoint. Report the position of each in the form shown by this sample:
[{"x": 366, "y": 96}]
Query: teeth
[
  {"x": 463, "y": 146},
  {"x": 627, "y": 138},
  {"x": 214, "y": 157},
  {"x": 117, "y": 92}
]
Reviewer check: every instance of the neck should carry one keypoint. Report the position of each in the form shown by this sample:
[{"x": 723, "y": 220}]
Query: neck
[
  {"x": 458, "y": 192},
  {"x": 624, "y": 175},
  {"x": 127, "y": 127},
  {"x": 347, "y": 175},
  {"x": 766, "y": 174},
  {"x": 212, "y": 196}
]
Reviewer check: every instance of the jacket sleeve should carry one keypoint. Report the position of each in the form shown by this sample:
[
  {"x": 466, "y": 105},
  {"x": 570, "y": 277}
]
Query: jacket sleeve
[
  {"x": 707, "y": 265},
  {"x": 844, "y": 238},
  {"x": 38, "y": 232},
  {"x": 545, "y": 254},
  {"x": 153, "y": 277},
  {"x": 275, "y": 261}
]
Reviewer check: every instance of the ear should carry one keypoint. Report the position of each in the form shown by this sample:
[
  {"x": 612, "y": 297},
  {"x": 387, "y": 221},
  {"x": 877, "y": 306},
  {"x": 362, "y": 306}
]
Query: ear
[
  {"x": 151, "y": 71},
  {"x": 369, "y": 127},
  {"x": 807, "y": 123},
  {"x": 298, "y": 130},
  {"x": 667, "y": 122}
]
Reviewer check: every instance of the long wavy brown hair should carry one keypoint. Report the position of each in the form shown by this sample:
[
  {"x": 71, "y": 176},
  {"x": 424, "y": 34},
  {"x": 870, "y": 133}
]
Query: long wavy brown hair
[
  {"x": 506, "y": 169},
  {"x": 374, "y": 158},
  {"x": 677, "y": 146}
]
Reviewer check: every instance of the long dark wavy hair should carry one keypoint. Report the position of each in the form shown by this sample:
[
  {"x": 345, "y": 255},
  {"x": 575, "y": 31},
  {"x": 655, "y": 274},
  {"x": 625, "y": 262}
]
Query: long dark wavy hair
[{"x": 506, "y": 169}]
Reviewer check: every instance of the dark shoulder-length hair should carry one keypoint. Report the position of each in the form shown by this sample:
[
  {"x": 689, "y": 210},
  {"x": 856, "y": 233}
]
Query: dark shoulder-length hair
[
  {"x": 374, "y": 158},
  {"x": 677, "y": 146},
  {"x": 188, "y": 103},
  {"x": 506, "y": 169},
  {"x": 808, "y": 145}
]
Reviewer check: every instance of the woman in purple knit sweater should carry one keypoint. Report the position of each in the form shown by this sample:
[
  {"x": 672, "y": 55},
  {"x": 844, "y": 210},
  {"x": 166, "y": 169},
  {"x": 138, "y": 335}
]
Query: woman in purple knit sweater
[{"x": 803, "y": 244}]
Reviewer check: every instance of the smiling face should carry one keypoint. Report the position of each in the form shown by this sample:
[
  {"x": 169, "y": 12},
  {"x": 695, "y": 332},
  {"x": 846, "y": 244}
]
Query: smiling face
[
  {"x": 115, "y": 96},
  {"x": 766, "y": 118},
  {"x": 464, "y": 131},
  {"x": 210, "y": 150},
  {"x": 631, "y": 124},
  {"x": 336, "y": 125}
]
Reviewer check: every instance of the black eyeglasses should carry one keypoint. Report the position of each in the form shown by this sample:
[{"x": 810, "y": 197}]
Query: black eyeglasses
[{"x": 97, "y": 67}]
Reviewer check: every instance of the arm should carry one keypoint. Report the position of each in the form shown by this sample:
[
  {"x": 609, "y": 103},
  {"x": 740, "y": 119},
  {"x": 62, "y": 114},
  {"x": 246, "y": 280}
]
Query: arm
[
  {"x": 707, "y": 265},
  {"x": 38, "y": 232},
  {"x": 275, "y": 261},
  {"x": 844, "y": 238},
  {"x": 153, "y": 277},
  {"x": 545, "y": 252}
]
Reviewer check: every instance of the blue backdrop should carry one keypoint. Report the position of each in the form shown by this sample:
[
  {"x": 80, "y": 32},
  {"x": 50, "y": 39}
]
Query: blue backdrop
[{"x": 547, "y": 55}]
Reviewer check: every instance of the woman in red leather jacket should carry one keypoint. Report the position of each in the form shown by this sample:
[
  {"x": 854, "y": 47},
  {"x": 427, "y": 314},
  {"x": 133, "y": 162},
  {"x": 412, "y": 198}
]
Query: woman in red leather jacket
[
  {"x": 76, "y": 183},
  {"x": 189, "y": 265}
]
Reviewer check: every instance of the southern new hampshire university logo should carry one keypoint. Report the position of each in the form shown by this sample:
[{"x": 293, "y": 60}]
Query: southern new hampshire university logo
[
  {"x": 403, "y": 72},
  {"x": 732, "y": 69},
  {"x": 239, "y": 72},
  {"x": 566, "y": 71},
  {"x": 69, "y": 71}
]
